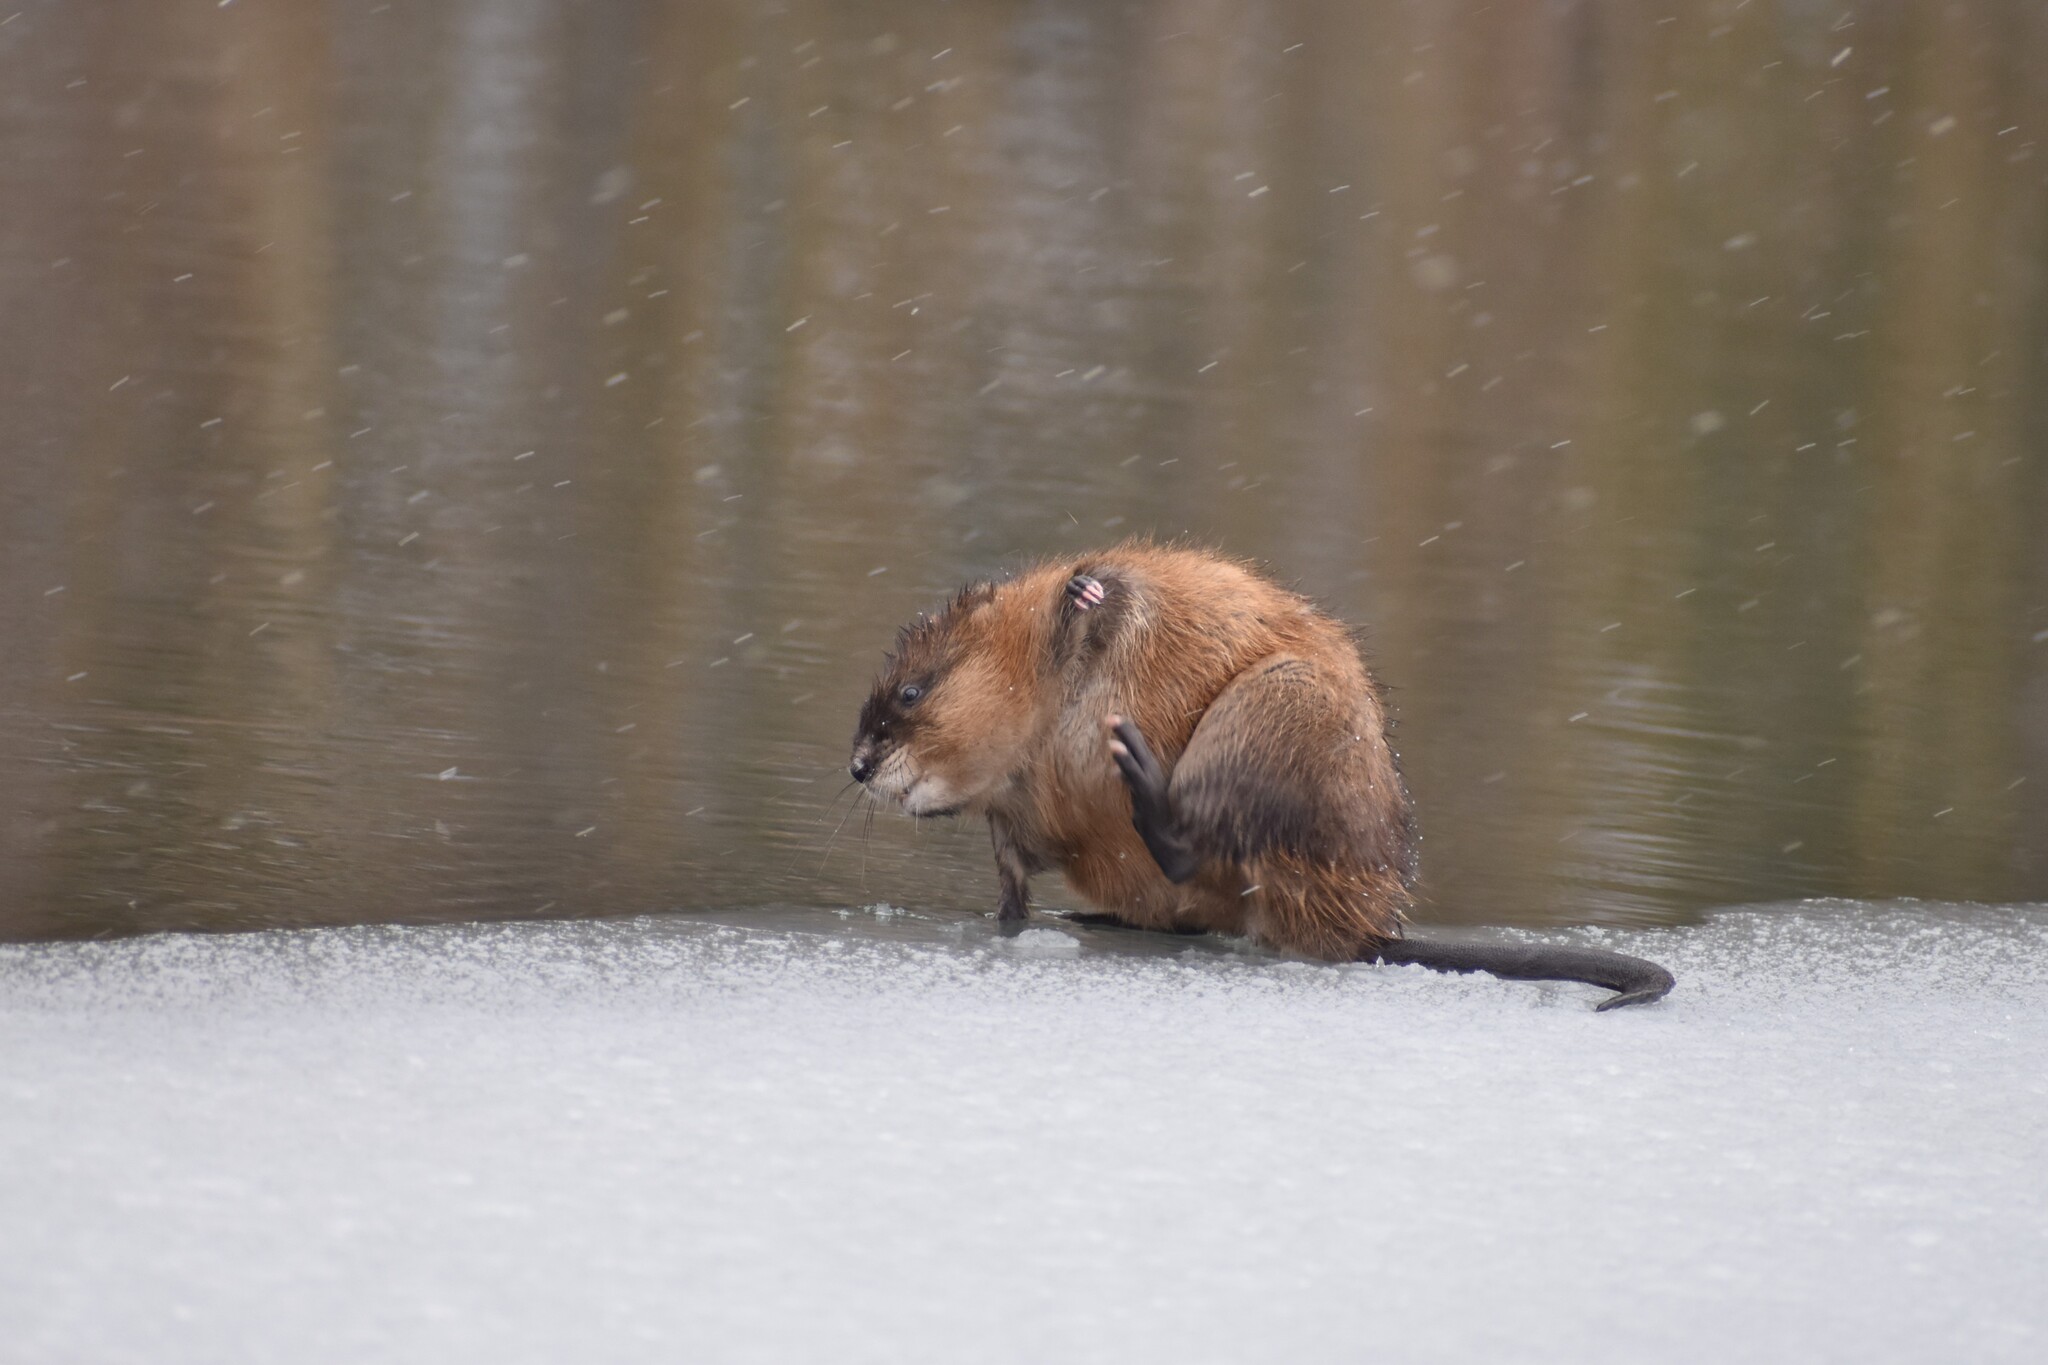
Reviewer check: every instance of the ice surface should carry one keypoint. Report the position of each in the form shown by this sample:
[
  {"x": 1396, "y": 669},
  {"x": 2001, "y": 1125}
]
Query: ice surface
[{"x": 888, "y": 1138}]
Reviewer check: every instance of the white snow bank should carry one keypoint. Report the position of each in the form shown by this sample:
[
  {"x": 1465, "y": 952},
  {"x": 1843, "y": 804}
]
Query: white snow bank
[{"x": 883, "y": 1138}]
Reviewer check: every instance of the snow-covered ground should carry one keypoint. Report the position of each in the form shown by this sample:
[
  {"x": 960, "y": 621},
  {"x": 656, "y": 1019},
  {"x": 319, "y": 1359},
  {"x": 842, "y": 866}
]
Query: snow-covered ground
[{"x": 892, "y": 1137}]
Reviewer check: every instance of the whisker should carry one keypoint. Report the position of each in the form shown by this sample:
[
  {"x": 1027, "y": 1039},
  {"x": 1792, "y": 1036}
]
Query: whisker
[
  {"x": 867, "y": 830},
  {"x": 851, "y": 808},
  {"x": 819, "y": 819}
]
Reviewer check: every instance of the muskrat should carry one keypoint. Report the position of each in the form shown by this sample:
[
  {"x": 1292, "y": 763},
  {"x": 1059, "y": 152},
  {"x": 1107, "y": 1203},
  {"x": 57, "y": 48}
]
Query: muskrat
[{"x": 1194, "y": 746}]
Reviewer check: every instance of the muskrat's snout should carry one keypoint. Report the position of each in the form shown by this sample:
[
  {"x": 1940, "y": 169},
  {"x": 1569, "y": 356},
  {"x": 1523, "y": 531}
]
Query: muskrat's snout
[{"x": 871, "y": 743}]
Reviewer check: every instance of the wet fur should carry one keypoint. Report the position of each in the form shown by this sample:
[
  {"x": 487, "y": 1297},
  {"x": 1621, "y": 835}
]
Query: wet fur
[{"x": 1276, "y": 802}]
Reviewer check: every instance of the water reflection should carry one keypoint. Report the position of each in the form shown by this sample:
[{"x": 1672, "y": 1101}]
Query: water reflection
[{"x": 465, "y": 459}]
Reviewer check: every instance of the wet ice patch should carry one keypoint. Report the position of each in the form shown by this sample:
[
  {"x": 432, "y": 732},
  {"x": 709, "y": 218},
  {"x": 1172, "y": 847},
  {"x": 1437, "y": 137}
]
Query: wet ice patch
[
  {"x": 880, "y": 910},
  {"x": 1044, "y": 943}
]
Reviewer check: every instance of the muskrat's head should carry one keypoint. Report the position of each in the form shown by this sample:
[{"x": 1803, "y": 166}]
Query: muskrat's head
[{"x": 953, "y": 710}]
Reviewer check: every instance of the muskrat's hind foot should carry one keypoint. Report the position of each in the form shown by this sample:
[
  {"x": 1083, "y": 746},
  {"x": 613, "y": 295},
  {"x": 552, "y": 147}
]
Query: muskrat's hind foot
[
  {"x": 1089, "y": 920},
  {"x": 1151, "y": 808}
]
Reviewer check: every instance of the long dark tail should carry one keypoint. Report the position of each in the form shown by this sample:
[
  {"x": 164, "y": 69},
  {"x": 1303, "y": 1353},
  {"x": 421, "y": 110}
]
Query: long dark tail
[{"x": 1634, "y": 980}]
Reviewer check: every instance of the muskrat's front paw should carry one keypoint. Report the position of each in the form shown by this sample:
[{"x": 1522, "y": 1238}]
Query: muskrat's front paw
[
  {"x": 1134, "y": 758},
  {"x": 1085, "y": 592}
]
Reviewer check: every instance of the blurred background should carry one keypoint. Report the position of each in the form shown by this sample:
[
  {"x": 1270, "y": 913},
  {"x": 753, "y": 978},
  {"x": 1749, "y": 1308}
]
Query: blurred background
[{"x": 465, "y": 459}]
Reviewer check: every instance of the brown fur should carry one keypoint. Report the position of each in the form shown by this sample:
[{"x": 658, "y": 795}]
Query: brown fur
[{"x": 1258, "y": 705}]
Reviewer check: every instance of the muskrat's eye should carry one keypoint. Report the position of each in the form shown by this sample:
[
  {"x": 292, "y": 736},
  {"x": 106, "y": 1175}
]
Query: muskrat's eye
[{"x": 909, "y": 694}]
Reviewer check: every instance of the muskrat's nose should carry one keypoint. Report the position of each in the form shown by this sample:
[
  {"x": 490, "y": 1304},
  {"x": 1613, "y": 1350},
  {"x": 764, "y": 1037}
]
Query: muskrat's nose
[{"x": 863, "y": 768}]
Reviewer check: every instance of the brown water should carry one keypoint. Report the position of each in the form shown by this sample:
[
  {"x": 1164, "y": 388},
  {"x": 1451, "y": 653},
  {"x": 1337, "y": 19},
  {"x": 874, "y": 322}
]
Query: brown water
[{"x": 464, "y": 460}]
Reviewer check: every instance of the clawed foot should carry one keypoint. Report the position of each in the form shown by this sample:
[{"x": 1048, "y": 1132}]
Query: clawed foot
[
  {"x": 1151, "y": 810},
  {"x": 1140, "y": 767},
  {"x": 1085, "y": 592},
  {"x": 1013, "y": 908}
]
